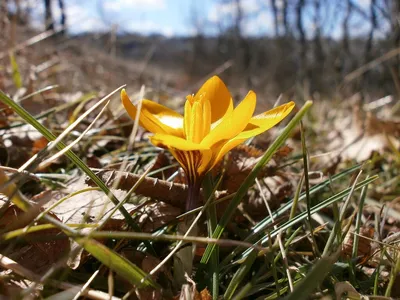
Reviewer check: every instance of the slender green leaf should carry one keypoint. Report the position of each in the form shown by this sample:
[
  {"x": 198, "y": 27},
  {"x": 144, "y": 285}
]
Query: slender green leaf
[
  {"x": 258, "y": 230},
  {"x": 16, "y": 75},
  {"x": 249, "y": 181},
  {"x": 359, "y": 220},
  {"x": 240, "y": 274},
  {"x": 117, "y": 263},
  {"x": 70, "y": 154},
  {"x": 317, "y": 274},
  {"x": 313, "y": 210}
]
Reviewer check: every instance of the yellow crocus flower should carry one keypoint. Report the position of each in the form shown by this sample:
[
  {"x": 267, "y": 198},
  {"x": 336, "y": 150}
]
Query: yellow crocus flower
[{"x": 209, "y": 128}]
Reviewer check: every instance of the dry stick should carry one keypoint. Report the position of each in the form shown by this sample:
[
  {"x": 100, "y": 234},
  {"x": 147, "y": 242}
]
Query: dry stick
[
  {"x": 279, "y": 238},
  {"x": 12, "y": 265},
  {"x": 174, "y": 194},
  {"x": 132, "y": 136},
  {"x": 29, "y": 175},
  {"x": 48, "y": 161},
  {"x": 33, "y": 40},
  {"x": 86, "y": 285},
  {"x": 38, "y": 38},
  {"x": 52, "y": 145},
  {"x": 372, "y": 64},
  {"x": 29, "y": 42},
  {"x": 391, "y": 239}
]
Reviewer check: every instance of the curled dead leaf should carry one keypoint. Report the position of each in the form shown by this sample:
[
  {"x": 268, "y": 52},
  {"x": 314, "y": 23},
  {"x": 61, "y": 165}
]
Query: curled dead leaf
[
  {"x": 40, "y": 250},
  {"x": 364, "y": 244},
  {"x": 156, "y": 215}
]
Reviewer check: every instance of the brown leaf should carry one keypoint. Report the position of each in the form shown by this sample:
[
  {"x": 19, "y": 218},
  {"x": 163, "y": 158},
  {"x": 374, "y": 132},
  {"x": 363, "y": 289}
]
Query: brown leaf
[
  {"x": 275, "y": 190},
  {"x": 162, "y": 160},
  {"x": 192, "y": 291},
  {"x": 156, "y": 215},
  {"x": 39, "y": 144},
  {"x": 240, "y": 163},
  {"x": 5, "y": 112},
  {"x": 41, "y": 249},
  {"x": 204, "y": 295},
  {"x": 364, "y": 134},
  {"x": 364, "y": 245}
]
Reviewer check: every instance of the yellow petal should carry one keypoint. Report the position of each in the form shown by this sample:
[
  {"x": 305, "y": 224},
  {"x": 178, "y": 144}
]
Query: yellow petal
[
  {"x": 218, "y": 95},
  {"x": 195, "y": 163},
  {"x": 221, "y": 150},
  {"x": 257, "y": 125},
  {"x": 232, "y": 124},
  {"x": 206, "y": 119},
  {"x": 262, "y": 122},
  {"x": 187, "y": 120},
  {"x": 197, "y": 120},
  {"x": 204, "y": 165},
  {"x": 154, "y": 117},
  {"x": 169, "y": 141}
]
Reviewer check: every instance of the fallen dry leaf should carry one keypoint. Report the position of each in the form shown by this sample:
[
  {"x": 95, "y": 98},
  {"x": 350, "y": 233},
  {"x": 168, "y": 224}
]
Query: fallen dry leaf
[
  {"x": 155, "y": 215},
  {"x": 40, "y": 250},
  {"x": 364, "y": 133}
]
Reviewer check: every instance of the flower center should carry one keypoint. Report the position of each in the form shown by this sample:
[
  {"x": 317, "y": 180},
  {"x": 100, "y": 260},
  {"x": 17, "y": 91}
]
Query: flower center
[{"x": 197, "y": 118}]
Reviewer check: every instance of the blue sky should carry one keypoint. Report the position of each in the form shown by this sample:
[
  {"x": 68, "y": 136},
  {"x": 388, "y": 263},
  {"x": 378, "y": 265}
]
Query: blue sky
[{"x": 176, "y": 17}]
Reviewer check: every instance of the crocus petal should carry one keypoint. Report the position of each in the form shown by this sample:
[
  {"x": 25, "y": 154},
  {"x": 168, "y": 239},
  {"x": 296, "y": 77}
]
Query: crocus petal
[
  {"x": 232, "y": 124},
  {"x": 257, "y": 125},
  {"x": 195, "y": 163},
  {"x": 169, "y": 141},
  {"x": 194, "y": 158},
  {"x": 155, "y": 117},
  {"x": 221, "y": 150},
  {"x": 264, "y": 121},
  {"x": 218, "y": 95}
]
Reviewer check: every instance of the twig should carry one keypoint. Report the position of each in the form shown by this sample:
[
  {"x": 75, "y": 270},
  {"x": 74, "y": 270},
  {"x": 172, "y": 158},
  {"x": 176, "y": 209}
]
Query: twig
[{"x": 165, "y": 191}]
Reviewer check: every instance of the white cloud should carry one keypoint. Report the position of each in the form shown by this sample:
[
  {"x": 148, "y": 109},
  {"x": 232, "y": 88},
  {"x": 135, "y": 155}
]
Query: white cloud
[
  {"x": 118, "y": 5},
  {"x": 256, "y": 18},
  {"x": 262, "y": 23},
  {"x": 80, "y": 18},
  {"x": 229, "y": 9},
  {"x": 364, "y": 3}
]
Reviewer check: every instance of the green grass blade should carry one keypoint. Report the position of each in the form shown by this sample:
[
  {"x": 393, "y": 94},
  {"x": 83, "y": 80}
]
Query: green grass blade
[
  {"x": 317, "y": 274},
  {"x": 213, "y": 267},
  {"x": 117, "y": 263},
  {"x": 249, "y": 181},
  {"x": 70, "y": 154},
  {"x": 240, "y": 274},
  {"x": 262, "y": 225},
  {"x": 16, "y": 75},
  {"x": 359, "y": 220},
  {"x": 313, "y": 210}
]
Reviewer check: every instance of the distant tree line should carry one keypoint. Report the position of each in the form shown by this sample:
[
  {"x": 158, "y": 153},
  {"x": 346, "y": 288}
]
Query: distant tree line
[
  {"x": 314, "y": 44},
  {"x": 310, "y": 49},
  {"x": 23, "y": 16}
]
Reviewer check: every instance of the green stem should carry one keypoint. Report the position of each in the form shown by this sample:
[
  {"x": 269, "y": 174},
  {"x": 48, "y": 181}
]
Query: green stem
[
  {"x": 212, "y": 221},
  {"x": 193, "y": 194}
]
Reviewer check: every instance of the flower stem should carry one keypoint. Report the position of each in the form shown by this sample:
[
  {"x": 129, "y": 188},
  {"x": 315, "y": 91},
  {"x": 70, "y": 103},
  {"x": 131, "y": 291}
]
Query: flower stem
[{"x": 192, "y": 201}]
